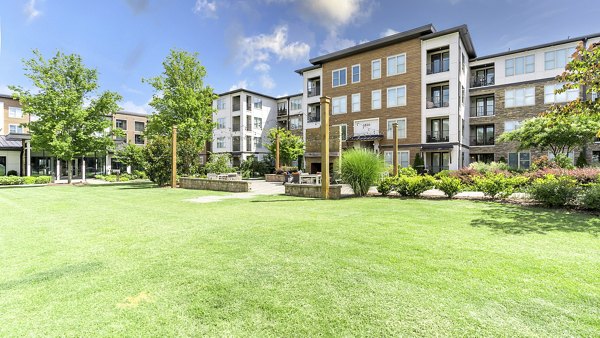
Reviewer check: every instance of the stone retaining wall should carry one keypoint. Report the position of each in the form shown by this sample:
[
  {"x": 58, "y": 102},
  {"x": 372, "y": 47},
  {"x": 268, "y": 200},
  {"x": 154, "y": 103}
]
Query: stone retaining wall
[
  {"x": 216, "y": 185},
  {"x": 274, "y": 178},
  {"x": 313, "y": 190}
]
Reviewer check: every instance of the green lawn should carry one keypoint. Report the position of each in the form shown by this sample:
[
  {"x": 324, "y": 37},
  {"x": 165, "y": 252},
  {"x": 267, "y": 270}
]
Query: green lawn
[{"x": 134, "y": 260}]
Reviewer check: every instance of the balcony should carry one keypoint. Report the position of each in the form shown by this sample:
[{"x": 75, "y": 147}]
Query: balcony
[
  {"x": 482, "y": 141},
  {"x": 313, "y": 117},
  {"x": 482, "y": 106},
  {"x": 482, "y": 82},
  {"x": 248, "y": 127},
  {"x": 437, "y": 104},
  {"x": 438, "y": 95},
  {"x": 437, "y": 68},
  {"x": 314, "y": 91},
  {"x": 483, "y": 77},
  {"x": 282, "y": 112},
  {"x": 236, "y": 144},
  {"x": 438, "y": 61},
  {"x": 235, "y": 127},
  {"x": 438, "y": 136}
]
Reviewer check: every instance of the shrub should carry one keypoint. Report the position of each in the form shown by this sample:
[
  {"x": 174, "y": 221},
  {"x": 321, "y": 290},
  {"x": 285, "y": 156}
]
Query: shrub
[
  {"x": 408, "y": 171},
  {"x": 219, "y": 164},
  {"x": 43, "y": 179},
  {"x": 419, "y": 163},
  {"x": 542, "y": 162},
  {"x": 494, "y": 185},
  {"x": 494, "y": 167},
  {"x": 554, "y": 191},
  {"x": 385, "y": 186},
  {"x": 11, "y": 180},
  {"x": 413, "y": 186},
  {"x": 465, "y": 175},
  {"x": 581, "y": 160},
  {"x": 11, "y": 173},
  {"x": 29, "y": 180},
  {"x": 590, "y": 199},
  {"x": 252, "y": 167},
  {"x": 449, "y": 185},
  {"x": 157, "y": 156},
  {"x": 563, "y": 161},
  {"x": 140, "y": 174},
  {"x": 360, "y": 169},
  {"x": 581, "y": 175},
  {"x": 443, "y": 173}
]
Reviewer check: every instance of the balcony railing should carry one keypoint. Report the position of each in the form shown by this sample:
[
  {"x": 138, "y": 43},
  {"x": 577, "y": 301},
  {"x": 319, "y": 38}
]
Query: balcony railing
[
  {"x": 313, "y": 118},
  {"x": 235, "y": 127},
  {"x": 236, "y": 147},
  {"x": 314, "y": 91},
  {"x": 281, "y": 112},
  {"x": 437, "y": 136},
  {"x": 248, "y": 127},
  {"x": 431, "y": 69},
  {"x": 481, "y": 111},
  {"x": 478, "y": 141},
  {"x": 482, "y": 82},
  {"x": 431, "y": 104}
]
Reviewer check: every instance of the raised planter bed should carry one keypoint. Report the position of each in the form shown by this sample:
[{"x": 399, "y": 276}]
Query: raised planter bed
[
  {"x": 275, "y": 178},
  {"x": 313, "y": 190},
  {"x": 215, "y": 185}
]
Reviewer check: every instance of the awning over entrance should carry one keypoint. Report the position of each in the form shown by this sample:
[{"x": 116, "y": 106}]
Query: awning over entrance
[
  {"x": 18, "y": 137},
  {"x": 365, "y": 137},
  {"x": 7, "y": 143},
  {"x": 436, "y": 147}
]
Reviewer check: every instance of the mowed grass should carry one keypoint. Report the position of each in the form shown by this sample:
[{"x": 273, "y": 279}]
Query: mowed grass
[{"x": 134, "y": 260}]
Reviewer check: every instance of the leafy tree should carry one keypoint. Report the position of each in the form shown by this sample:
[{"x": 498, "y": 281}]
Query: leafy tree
[
  {"x": 581, "y": 160},
  {"x": 290, "y": 145},
  {"x": 66, "y": 126},
  {"x": 419, "y": 163},
  {"x": 219, "y": 164},
  {"x": 157, "y": 157},
  {"x": 131, "y": 155},
  {"x": 182, "y": 99}
]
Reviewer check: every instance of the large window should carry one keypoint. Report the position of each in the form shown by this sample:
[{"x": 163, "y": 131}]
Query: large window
[
  {"x": 482, "y": 106},
  {"x": 558, "y": 58},
  {"x": 15, "y": 112},
  {"x": 2, "y": 165},
  {"x": 520, "y": 65},
  {"x": 403, "y": 158},
  {"x": 438, "y": 130},
  {"x": 257, "y": 103},
  {"x": 519, "y": 97},
  {"x": 482, "y": 135},
  {"x": 139, "y": 126},
  {"x": 396, "y": 64},
  {"x": 401, "y": 128},
  {"x": 15, "y": 128},
  {"x": 376, "y": 99},
  {"x": 139, "y": 139},
  {"x": 339, "y": 105},
  {"x": 485, "y": 158},
  {"x": 338, "y": 77},
  {"x": 221, "y": 123},
  {"x": 221, "y": 104},
  {"x": 519, "y": 160},
  {"x": 595, "y": 157},
  {"x": 121, "y": 124},
  {"x": 375, "y": 69},
  {"x": 258, "y": 143},
  {"x": 439, "y": 96},
  {"x": 296, "y": 104},
  {"x": 396, "y": 96},
  {"x": 355, "y": 73},
  {"x": 220, "y": 142},
  {"x": 295, "y": 123},
  {"x": 258, "y": 122},
  {"x": 551, "y": 97},
  {"x": 355, "y": 102},
  {"x": 439, "y": 62}
]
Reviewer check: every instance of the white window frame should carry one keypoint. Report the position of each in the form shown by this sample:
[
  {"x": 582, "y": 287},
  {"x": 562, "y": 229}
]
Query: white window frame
[
  {"x": 401, "y": 131},
  {"x": 551, "y": 97},
  {"x": 352, "y": 75},
  {"x": 340, "y": 84},
  {"x": 221, "y": 103},
  {"x": 15, "y": 112},
  {"x": 519, "y": 166},
  {"x": 555, "y": 60},
  {"x": 257, "y": 103},
  {"x": 220, "y": 143},
  {"x": 296, "y": 102},
  {"x": 373, "y": 77},
  {"x": 258, "y": 125},
  {"x": 355, "y": 101},
  {"x": 221, "y": 123},
  {"x": 515, "y": 61},
  {"x": 388, "y": 73},
  {"x": 18, "y": 128},
  {"x": 298, "y": 125},
  {"x": 342, "y": 108},
  {"x": 398, "y": 102},
  {"x": 390, "y": 154},
  {"x": 373, "y": 106},
  {"x": 344, "y": 126},
  {"x": 528, "y": 93}
]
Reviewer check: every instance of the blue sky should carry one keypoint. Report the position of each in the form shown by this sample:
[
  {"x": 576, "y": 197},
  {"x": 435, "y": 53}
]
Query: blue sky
[{"x": 256, "y": 44}]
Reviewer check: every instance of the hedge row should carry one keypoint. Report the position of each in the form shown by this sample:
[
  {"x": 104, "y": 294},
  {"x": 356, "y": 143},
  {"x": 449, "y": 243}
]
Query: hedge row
[{"x": 17, "y": 180}]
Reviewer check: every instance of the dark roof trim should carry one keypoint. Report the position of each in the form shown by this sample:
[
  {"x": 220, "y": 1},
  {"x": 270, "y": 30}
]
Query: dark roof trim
[
  {"x": 289, "y": 96},
  {"x": 463, "y": 31},
  {"x": 6, "y": 96},
  {"x": 306, "y": 69},
  {"x": 526, "y": 49},
  {"x": 239, "y": 90},
  {"x": 18, "y": 136},
  {"x": 132, "y": 113},
  {"x": 382, "y": 42}
]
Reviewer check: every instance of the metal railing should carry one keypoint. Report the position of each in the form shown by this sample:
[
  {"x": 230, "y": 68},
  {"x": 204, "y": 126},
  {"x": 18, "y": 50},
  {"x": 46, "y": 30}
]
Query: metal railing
[
  {"x": 486, "y": 141},
  {"x": 313, "y": 118},
  {"x": 236, "y": 147},
  {"x": 281, "y": 112},
  {"x": 481, "y": 111},
  {"x": 437, "y": 69},
  {"x": 314, "y": 91},
  {"x": 235, "y": 127},
  {"x": 431, "y": 104},
  {"x": 437, "y": 136},
  {"x": 482, "y": 82}
]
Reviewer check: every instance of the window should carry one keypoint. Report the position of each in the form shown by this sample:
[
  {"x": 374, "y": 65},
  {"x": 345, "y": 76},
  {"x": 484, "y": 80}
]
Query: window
[
  {"x": 343, "y": 130},
  {"x": 121, "y": 124},
  {"x": 258, "y": 122},
  {"x": 248, "y": 143},
  {"x": 463, "y": 62},
  {"x": 15, "y": 128},
  {"x": 139, "y": 126},
  {"x": 338, "y": 77},
  {"x": 220, "y": 142},
  {"x": 396, "y": 64},
  {"x": 236, "y": 103},
  {"x": 355, "y": 73},
  {"x": 396, "y": 96},
  {"x": 483, "y": 77},
  {"x": 519, "y": 160},
  {"x": 511, "y": 125},
  {"x": 401, "y": 128},
  {"x": 281, "y": 107},
  {"x": 258, "y": 103},
  {"x": 221, "y": 104},
  {"x": 595, "y": 157},
  {"x": 462, "y": 97},
  {"x": 403, "y": 158},
  {"x": 2, "y": 165},
  {"x": 15, "y": 112},
  {"x": 139, "y": 139},
  {"x": 375, "y": 69},
  {"x": 558, "y": 58},
  {"x": 314, "y": 113},
  {"x": 551, "y": 97},
  {"x": 519, "y": 97},
  {"x": 296, "y": 104},
  {"x": 482, "y": 106},
  {"x": 221, "y": 123},
  {"x": 438, "y": 130},
  {"x": 439, "y": 62},
  {"x": 485, "y": 158},
  {"x": 355, "y": 102},
  {"x": 439, "y": 96},
  {"x": 258, "y": 143},
  {"x": 520, "y": 65},
  {"x": 339, "y": 105},
  {"x": 295, "y": 123},
  {"x": 570, "y": 155},
  {"x": 482, "y": 135},
  {"x": 376, "y": 99}
]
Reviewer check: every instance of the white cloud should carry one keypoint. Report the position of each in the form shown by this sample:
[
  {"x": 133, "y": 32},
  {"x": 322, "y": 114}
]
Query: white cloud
[
  {"x": 130, "y": 106},
  {"x": 30, "y": 11},
  {"x": 267, "y": 81},
  {"x": 206, "y": 8},
  {"x": 388, "y": 32},
  {"x": 334, "y": 13},
  {"x": 262, "y": 67},
  {"x": 242, "y": 84}
]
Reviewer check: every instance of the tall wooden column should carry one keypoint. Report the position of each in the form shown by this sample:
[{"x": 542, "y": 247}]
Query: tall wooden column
[
  {"x": 174, "y": 159},
  {"x": 277, "y": 151},
  {"x": 395, "y": 155},
  {"x": 325, "y": 104}
]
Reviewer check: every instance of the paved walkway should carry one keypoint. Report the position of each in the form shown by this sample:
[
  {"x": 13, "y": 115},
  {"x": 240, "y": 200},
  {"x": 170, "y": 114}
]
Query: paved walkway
[{"x": 257, "y": 188}]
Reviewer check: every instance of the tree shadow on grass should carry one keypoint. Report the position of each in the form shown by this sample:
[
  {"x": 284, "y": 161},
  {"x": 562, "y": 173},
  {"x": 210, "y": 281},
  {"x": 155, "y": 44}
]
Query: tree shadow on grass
[
  {"x": 519, "y": 220},
  {"x": 51, "y": 274},
  {"x": 122, "y": 185},
  {"x": 287, "y": 199}
]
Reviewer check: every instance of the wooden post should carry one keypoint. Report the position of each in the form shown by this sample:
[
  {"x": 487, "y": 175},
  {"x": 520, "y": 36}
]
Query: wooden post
[
  {"x": 277, "y": 151},
  {"x": 174, "y": 159},
  {"x": 325, "y": 103},
  {"x": 395, "y": 155}
]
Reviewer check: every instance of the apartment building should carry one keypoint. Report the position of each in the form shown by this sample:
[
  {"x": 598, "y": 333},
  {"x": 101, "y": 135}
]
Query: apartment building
[
  {"x": 243, "y": 119},
  {"x": 376, "y": 84},
  {"x": 290, "y": 113},
  {"x": 133, "y": 126},
  {"x": 14, "y": 140},
  {"x": 507, "y": 88}
]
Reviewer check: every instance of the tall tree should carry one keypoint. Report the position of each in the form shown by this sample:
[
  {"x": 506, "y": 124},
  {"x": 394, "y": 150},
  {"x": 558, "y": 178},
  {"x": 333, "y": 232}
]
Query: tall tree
[
  {"x": 65, "y": 125},
  {"x": 182, "y": 98},
  {"x": 290, "y": 145}
]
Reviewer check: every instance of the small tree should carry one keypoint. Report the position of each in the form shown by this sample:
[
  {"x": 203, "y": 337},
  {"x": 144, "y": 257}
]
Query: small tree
[
  {"x": 131, "y": 155},
  {"x": 219, "y": 164},
  {"x": 419, "y": 163},
  {"x": 157, "y": 157},
  {"x": 581, "y": 160},
  {"x": 290, "y": 145},
  {"x": 65, "y": 125}
]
